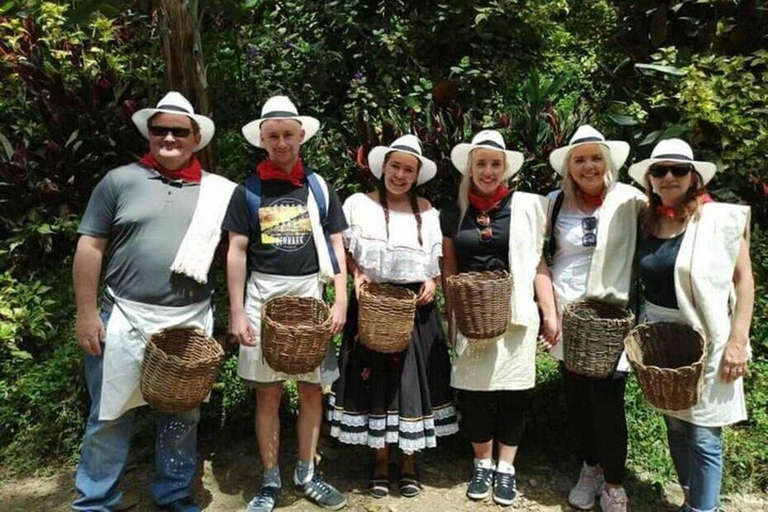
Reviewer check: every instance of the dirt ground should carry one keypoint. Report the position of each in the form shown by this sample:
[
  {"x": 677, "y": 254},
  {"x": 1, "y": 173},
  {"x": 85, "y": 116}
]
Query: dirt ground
[{"x": 229, "y": 475}]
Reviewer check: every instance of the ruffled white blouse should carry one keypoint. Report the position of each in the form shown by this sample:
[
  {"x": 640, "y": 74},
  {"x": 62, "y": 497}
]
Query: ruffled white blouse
[{"x": 398, "y": 258}]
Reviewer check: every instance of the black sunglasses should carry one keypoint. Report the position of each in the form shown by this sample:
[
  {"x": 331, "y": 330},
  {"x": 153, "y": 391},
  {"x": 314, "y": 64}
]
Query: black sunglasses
[
  {"x": 177, "y": 132},
  {"x": 661, "y": 170},
  {"x": 589, "y": 226}
]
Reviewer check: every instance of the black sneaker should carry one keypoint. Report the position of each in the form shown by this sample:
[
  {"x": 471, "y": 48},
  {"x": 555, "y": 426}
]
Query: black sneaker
[
  {"x": 480, "y": 485},
  {"x": 322, "y": 493},
  {"x": 504, "y": 490},
  {"x": 264, "y": 501}
]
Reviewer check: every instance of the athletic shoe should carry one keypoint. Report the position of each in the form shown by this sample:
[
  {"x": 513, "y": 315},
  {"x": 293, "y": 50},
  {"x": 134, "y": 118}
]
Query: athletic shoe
[
  {"x": 480, "y": 485},
  {"x": 264, "y": 501},
  {"x": 504, "y": 490},
  {"x": 614, "y": 500},
  {"x": 322, "y": 493},
  {"x": 589, "y": 486}
]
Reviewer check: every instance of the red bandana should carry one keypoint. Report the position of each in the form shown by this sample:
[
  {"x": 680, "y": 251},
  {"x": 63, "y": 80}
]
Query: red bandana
[
  {"x": 595, "y": 201},
  {"x": 193, "y": 172},
  {"x": 269, "y": 171},
  {"x": 671, "y": 212},
  {"x": 487, "y": 203}
]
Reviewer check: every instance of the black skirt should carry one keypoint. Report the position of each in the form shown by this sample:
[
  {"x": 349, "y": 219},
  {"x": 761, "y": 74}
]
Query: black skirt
[{"x": 403, "y": 399}]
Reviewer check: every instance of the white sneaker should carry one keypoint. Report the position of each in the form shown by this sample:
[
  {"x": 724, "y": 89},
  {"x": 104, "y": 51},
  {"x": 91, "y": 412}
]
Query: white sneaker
[
  {"x": 614, "y": 500},
  {"x": 589, "y": 486}
]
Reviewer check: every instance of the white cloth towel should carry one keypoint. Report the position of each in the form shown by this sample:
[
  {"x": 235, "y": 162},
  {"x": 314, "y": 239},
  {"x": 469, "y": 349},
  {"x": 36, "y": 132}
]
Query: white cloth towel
[
  {"x": 318, "y": 236},
  {"x": 195, "y": 254},
  {"x": 130, "y": 324}
]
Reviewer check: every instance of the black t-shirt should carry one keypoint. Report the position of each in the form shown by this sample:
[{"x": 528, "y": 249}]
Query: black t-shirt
[
  {"x": 656, "y": 267},
  {"x": 283, "y": 244},
  {"x": 472, "y": 253}
]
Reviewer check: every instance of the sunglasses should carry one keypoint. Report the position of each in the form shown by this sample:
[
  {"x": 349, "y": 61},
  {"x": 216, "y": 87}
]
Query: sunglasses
[
  {"x": 177, "y": 132},
  {"x": 484, "y": 231},
  {"x": 589, "y": 226},
  {"x": 661, "y": 170}
]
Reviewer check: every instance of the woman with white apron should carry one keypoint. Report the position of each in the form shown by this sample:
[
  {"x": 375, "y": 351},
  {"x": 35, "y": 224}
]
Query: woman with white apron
[
  {"x": 493, "y": 228},
  {"x": 693, "y": 260}
]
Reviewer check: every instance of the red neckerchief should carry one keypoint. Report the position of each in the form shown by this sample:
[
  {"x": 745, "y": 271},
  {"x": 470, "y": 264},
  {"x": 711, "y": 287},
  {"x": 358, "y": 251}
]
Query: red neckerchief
[
  {"x": 488, "y": 203},
  {"x": 269, "y": 171},
  {"x": 193, "y": 172},
  {"x": 595, "y": 201},
  {"x": 671, "y": 212}
]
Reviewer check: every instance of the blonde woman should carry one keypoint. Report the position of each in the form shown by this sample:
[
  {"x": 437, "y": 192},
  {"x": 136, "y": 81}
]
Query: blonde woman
[
  {"x": 593, "y": 235},
  {"x": 693, "y": 260},
  {"x": 492, "y": 228}
]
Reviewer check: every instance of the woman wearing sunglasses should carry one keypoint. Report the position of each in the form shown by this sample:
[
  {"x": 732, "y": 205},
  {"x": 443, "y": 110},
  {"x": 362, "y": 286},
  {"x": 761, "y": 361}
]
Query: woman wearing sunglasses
[
  {"x": 693, "y": 260},
  {"x": 400, "y": 400},
  {"x": 593, "y": 229},
  {"x": 492, "y": 228}
]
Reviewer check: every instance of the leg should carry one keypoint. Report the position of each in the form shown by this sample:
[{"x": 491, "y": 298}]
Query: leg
[
  {"x": 579, "y": 413},
  {"x": 610, "y": 426},
  {"x": 310, "y": 419},
  {"x": 706, "y": 469},
  {"x": 510, "y": 421},
  {"x": 679, "y": 450},
  {"x": 105, "y": 449},
  {"x": 477, "y": 421},
  {"x": 175, "y": 456},
  {"x": 268, "y": 423}
]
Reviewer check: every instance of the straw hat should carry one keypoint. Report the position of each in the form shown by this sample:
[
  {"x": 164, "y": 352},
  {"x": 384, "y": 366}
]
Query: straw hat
[
  {"x": 175, "y": 103},
  {"x": 487, "y": 139},
  {"x": 279, "y": 107},
  {"x": 586, "y": 134},
  {"x": 674, "y": 151},
  {"x": 408, "y": 144}
]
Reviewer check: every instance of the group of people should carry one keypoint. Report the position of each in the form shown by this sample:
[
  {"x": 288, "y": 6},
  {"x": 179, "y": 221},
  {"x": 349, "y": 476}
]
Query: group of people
[{"x": 158, "y": 222}]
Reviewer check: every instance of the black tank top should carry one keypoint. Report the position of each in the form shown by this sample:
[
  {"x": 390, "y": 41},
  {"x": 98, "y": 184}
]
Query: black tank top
[{"x": 656, "y": 266}]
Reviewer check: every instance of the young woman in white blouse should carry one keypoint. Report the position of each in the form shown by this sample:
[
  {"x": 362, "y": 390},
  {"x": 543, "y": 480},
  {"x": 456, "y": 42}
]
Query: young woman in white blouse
[
  {"x": 594, "y": 232},
  {"x": 404, "y": 399}
]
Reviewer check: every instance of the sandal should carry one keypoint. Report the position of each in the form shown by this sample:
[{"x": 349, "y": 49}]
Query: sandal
[
  {"x": 378, "y": 486},
  {"x": 409, "y": 485}
]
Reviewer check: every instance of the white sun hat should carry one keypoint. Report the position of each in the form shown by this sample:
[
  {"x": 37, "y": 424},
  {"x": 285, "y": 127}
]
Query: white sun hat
[
  {"x": 586, "y": 134},
  {"x": 408, "y": 144},
  {"x": 675, "y": 151},
  {"x": 175, "y": 103},
  {"x": 279, "y": 107},
  {"x": 487, "y": 139}
]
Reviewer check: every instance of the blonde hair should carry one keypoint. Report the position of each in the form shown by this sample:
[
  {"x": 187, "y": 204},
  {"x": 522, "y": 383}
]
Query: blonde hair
[
  {"x": 466, "y": 183},
  {"x": 570, "y": 187}
]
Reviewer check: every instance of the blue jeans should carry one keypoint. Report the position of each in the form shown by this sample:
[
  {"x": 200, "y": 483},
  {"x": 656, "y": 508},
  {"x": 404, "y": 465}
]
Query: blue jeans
[
  {"x": 105, "y": 451},
  {"x": 698, "y": 456}
]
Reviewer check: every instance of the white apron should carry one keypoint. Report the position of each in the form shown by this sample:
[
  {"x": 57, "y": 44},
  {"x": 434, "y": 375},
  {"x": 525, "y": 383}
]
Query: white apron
[
  {"x": 259, "y": 289},
  {"x": 721, "y": 403},
  {"x": 124, "y": 347}
]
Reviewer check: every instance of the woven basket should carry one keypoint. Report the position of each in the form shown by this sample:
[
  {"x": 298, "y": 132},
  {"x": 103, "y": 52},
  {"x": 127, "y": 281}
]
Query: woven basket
[
  {"x": 593, "y": 337},
  {"x": 179, "y": 368},
  {"x": 295, "y": 332},
  {"x": 385, "y": 317},
  {"x": 481, "y": 303},
  {"x": 668, "y": 360}
]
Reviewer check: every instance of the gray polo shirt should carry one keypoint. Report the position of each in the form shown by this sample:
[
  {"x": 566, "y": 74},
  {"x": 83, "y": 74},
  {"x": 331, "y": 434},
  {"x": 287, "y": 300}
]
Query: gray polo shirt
[{"x": 145, "y": 217}]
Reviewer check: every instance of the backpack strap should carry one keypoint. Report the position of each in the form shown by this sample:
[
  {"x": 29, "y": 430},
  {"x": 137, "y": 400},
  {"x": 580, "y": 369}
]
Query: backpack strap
[{"x": 552, "y": 247}]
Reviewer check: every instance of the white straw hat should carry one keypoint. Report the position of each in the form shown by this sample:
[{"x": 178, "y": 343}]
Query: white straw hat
[
  {"x": 586, "y": 134},
  {"x": 279, "y": 107},
  {"x": 672, "y": 150},
  {"x": 487, "y": 139},
  {"x": 408, "y": 144},
  {"x": 175, "y": 103}
]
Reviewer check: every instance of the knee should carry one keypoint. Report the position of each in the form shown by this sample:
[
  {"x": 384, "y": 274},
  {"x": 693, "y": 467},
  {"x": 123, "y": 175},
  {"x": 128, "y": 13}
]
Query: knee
[
  {"x": 268, "y": 398},
  {"x": 309, "y": 393},
  {"x": 708, "y": 442}
]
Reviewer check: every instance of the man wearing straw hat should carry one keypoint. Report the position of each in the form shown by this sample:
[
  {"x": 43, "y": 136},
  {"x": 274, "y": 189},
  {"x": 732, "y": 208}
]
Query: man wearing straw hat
[
  {"x": 285, "y": 227},
  {"x": 155, "y": 224}
]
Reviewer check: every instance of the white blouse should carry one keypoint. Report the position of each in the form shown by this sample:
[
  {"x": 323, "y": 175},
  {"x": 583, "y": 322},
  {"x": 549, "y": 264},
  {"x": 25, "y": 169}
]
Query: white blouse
[{"x": 399, "y": 258}]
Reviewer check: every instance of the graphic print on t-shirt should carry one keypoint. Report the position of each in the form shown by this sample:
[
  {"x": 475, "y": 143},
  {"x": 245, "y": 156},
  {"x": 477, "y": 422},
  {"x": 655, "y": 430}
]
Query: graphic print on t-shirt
[{"x": 285, "y": 224}]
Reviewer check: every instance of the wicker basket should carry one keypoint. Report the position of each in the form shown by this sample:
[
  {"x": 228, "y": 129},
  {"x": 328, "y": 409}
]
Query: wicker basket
[
  {"x": 593, "y": 337},
  {"x": 668, "y": 360},
  {"x": 295, "y": 332},
  {"x": 385, "y": 317},
  {"x": 481, "y": 303},
  {"x": 179, "y": 368}
]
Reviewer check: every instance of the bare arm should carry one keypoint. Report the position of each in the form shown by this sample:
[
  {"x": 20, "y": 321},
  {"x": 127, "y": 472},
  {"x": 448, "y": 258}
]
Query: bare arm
[
  {"x": 734, "y": 362},
  {"x": 339, "y": 309},
  {"x": 545, "y": 296},
  {"x": 237, "y": 256},
  {"x": 86, "y": 270}
]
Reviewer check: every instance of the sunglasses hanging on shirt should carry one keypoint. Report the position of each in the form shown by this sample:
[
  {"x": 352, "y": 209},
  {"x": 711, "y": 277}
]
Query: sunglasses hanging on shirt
[
  {"x": 589, "y": 226},
  {"x": 485, "y": 232}
]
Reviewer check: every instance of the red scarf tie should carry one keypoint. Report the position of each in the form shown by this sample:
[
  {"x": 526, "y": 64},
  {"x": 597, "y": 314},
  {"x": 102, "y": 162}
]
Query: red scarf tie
[
  {"x": 595, "y": 201},
  {"x": 193, "y": 172},
  {"x": 269, "y": 171},
  {"x": 671, "y": 212},
  {"x": 487, "y": 203}
]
